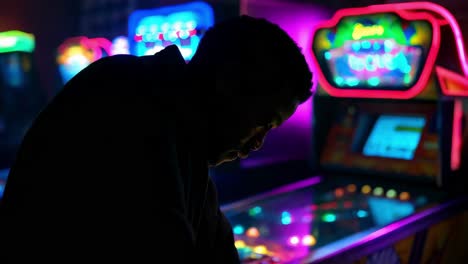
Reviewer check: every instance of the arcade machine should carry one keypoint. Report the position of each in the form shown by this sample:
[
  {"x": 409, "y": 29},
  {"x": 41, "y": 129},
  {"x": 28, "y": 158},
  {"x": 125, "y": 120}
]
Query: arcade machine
[
  {"x": 151, "y": 30},
  {"x": 21, "y": 97},
  {"x": 387, "y": 128},
  {"x": 76, "y": 53}
]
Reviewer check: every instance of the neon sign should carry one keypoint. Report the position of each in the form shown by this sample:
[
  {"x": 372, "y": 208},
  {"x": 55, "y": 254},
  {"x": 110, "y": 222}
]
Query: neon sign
[
  {"x": 373, "y": 63},
  {"x": 386, "y": 52},
  {"x": 14, "y": 40},
  {"x": 183, "y": 25},
  {"x": 361, "y": 31}
]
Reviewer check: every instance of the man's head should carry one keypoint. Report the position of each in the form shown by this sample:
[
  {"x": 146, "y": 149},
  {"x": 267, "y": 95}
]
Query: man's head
[{"x": 252, "y": 76}]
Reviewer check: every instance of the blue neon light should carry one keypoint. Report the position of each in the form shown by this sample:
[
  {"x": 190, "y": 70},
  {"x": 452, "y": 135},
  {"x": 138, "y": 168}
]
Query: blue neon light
[
  {"x": 183, "y": 25},
  {"x": 3, "y": 179}
]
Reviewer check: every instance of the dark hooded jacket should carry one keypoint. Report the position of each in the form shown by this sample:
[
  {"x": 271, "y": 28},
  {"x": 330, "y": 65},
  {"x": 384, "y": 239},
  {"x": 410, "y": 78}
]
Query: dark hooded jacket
[{"x": 109, "y": 172}]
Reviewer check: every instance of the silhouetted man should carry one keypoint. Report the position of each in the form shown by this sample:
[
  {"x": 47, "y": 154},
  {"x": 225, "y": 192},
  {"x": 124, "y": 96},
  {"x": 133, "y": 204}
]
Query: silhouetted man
[{"x": 115, "y": 168}]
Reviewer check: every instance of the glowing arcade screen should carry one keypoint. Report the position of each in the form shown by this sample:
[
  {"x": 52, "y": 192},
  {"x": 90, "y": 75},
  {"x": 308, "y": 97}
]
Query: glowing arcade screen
[
  {"x": 384, "y": 137},
  {"x": 183, "y": 25},
  {"x": 394, "y": 137},
  {"x": 372, "y": 51}
]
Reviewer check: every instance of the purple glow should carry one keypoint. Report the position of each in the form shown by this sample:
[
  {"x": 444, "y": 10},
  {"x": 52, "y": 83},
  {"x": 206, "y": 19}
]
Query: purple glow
[
  {"x": 300, "y": 29},
  {"x": 297, "y": 20},
  {"x": 283, "y": 189}
]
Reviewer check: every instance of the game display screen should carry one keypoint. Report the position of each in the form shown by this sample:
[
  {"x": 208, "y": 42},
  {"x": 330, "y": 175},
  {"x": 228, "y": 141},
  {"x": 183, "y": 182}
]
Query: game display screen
[
  {"x": 385, "y": 138},
  {"x": 183, "y": 25},
  {"x": 308, "y": 223},
  {"x": 376, "y": 50},
  {"x": 394, "y": 137}
]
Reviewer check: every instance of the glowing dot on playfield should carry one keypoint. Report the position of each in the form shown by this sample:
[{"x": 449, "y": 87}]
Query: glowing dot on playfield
[
  {"x": 255, "y": 210},
  {"x": 329, "y": 218},
  {"x": 391, "y": 193},
  {"x": 253, "y": 232},
  {"x": 238, "y": 230},
  {"x": 404, "y": 196},
  {"x": 294, "y": 240},
  {"x": 351, "y": 188},
  {"x": 362, "y": 213},
  {"x": 308, "y": 240},
  {"x": 239, "y": 244},
  {"x": 378, "y": 191},
  {"x": 366, "y": 189},
  {"x": 260, "y": 249}
]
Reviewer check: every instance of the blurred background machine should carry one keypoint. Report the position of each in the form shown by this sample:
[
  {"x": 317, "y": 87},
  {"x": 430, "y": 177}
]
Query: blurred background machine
[
  {"x": 387, "y": 128},
  {"x": 21, "y": 97}
]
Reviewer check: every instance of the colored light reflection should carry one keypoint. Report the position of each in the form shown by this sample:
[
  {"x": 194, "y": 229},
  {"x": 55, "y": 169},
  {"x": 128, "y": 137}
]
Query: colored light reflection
[
  {"x": 329, "y": 218},
  {"x": 286, "y": 218},
  {"x": 260, "y": 249},
  {"x": 307, "y": 218},
  {"x": 351, "y": 188},
  {"x": 378, "y": 191},
  {"x": 362, "y": 213},
  {"x": 239, "y": 244},
  {"x": 294, "y": 240},
  {"x": 404, "y": 196},
  {"x": 391, "y": 193},
  {"x": 253, "y": 232},
  {"x": 339, "y": 192},
  {"x": 366, "y": 189},
  {"x": 238, "y": 230},
  {"x": 308, "y": 240},
  {"x": 255, "y": 211}
]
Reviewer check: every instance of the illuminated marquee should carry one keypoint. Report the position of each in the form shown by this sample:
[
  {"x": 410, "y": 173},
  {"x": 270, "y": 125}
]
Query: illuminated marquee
[
  {"x": 183, "y": 25},
  {"x": 375, "y": 51},
  {"x": 374, "y": 63}
]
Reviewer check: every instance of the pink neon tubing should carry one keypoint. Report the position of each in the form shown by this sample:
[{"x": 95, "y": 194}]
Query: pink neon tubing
[
  {"x": 362, "y": 93},
  {"x": 443, "y": 12}
]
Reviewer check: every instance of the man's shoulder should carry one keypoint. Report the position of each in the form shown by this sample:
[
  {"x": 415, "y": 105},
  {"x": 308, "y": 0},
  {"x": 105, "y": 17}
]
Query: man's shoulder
[{"x": 168, "y": 56}]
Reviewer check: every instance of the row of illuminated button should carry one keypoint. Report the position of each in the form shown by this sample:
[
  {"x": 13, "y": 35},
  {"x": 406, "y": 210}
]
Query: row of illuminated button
[{"x": 377, "y": 191}]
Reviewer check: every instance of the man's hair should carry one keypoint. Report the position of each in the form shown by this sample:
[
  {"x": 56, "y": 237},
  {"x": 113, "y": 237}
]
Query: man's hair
[{"x": 257, "y": 55}]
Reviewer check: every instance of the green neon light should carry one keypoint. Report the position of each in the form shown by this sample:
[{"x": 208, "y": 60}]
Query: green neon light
[
  {"x": 384, "y": 26},
  {"x": 329, "y": 217},
  {"x": 15, "y": 40}
]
